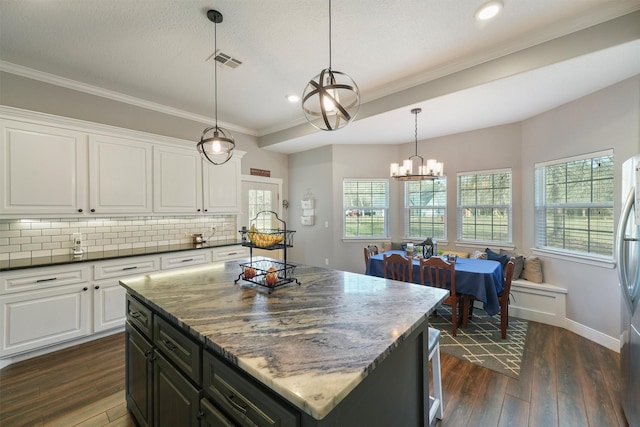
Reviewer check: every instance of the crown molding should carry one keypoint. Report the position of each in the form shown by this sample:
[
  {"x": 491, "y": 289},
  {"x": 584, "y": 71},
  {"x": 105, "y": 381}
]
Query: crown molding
[{"x": 34, "y": 74}]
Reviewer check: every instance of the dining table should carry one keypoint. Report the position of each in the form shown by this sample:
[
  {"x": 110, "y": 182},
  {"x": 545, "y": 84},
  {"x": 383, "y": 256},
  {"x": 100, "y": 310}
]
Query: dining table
[{"x": 483, "y": 279}]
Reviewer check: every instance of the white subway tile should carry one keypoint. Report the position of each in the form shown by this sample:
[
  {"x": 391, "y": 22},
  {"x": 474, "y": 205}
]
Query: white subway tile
[
  {"x": 19, "y": 255},
  {"x": 41, "y": 239}
]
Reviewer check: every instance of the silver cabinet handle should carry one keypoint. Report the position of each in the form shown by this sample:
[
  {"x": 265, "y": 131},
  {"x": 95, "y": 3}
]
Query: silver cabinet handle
[{"x": 232, "y": 400}]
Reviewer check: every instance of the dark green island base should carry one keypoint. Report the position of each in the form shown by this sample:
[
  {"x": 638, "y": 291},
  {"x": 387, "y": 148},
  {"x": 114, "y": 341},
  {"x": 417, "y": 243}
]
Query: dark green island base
[{"x": 341, "y": 349}]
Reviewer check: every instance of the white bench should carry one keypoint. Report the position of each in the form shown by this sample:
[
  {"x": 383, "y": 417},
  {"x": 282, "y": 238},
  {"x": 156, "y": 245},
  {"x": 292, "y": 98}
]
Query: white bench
[{"x": 539, "y": 302}]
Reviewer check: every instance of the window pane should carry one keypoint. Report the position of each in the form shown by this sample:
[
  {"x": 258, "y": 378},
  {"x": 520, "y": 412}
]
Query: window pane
[
  {"x": 425, "y": 209},
  {"x": 365, "y": 205},
  {"x": 581, "y": 193},
  {"x": 484, "y": 206}
]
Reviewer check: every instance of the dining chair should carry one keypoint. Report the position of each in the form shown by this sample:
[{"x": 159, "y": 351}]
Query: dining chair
[
  {"x": 503, "y": 299},
  {"x": 397, "y": 267},
  {"x": 438, "y": 273},
  {"x": 436, "y": 401},
  {"x": 368, "y": 251}
]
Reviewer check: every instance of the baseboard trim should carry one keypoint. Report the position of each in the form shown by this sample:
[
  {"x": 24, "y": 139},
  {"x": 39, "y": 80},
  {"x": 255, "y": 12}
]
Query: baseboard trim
[{"x": 591, "y": 334}]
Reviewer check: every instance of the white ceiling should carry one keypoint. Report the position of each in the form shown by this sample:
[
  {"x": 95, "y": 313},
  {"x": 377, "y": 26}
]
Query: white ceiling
[{"x": 154, "y": 53}]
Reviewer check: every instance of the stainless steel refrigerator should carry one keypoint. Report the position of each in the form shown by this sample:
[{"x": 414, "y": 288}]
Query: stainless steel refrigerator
[{"x": 628, "y": 263}]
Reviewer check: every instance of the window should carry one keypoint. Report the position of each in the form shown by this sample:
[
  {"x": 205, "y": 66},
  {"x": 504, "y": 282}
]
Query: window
[
  {"x": 260, "y": 200},
  {"x": 574, "y": 204},
  {"x": 484, "y": 206},
  {"x": 365, "y": 203},
  {"x": 425, "y": 204}
]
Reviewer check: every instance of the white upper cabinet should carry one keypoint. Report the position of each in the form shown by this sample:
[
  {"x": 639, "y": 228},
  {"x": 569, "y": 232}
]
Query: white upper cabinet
[
  {"x": 43, "y": 169},
  {"x": 222, "y": 185},
  {"x": 177, "y": 180},
  {"x": 120, "y": 179},
  {"x": 58, "y": 166}
]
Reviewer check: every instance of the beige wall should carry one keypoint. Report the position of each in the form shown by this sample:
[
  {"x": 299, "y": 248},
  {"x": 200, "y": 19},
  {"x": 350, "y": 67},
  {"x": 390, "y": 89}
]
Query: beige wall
[{"x": 608, "y": 119}]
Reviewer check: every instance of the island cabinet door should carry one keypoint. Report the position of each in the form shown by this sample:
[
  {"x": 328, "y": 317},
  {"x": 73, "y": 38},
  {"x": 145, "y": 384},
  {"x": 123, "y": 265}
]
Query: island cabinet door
[
  {"x": 176, "y": 402},
  {"x": 139, "y": 376},
  {"x": 245, "y": 402},
  {"x": 210, "y": 416}
]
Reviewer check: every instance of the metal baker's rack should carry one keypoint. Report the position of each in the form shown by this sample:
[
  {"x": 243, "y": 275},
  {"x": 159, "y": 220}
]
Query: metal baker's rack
[{"x": 268, "y": 273}]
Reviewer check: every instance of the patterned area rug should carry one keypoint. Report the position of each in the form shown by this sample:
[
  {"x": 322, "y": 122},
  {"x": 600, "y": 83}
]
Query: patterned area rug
[{"x": 480, "y": 342}]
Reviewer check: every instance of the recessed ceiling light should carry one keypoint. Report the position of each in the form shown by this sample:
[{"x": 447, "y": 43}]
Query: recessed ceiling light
[
  {"x": 488, "y": 10},
  {"x": 293, "y": 98}
]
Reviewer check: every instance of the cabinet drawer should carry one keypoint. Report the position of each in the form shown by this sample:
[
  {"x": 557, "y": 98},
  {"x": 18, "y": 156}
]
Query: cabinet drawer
[
  {"x": 40, "y": 278},
  {"x": 140, "y": 316},
  {"x": 128, "y": 267},
  {"x": 184, "y": 260},
  {"x": 246, "y": 403},
  {"x": 177, "y": 347},
  {"x": 230, "y": 253}
]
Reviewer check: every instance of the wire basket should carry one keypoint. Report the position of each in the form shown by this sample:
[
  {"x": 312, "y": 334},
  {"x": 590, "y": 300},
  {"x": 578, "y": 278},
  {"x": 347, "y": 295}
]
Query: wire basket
[
  {"x": 268, "y": 273},
  {"x": 267, "y": 238}
]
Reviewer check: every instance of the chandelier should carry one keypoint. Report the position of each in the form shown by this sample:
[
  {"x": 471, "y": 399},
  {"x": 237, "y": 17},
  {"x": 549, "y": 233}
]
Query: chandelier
[
  {"x": 216, "y": 144},
  {"x": 331, "y": 96},
  {"x": 405, "y": 171}
]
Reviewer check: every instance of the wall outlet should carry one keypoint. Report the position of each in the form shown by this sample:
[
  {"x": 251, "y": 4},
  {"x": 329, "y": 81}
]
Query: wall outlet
[
  {"x": 326, "y": 261},
  {"x": 77, "y": 243}
]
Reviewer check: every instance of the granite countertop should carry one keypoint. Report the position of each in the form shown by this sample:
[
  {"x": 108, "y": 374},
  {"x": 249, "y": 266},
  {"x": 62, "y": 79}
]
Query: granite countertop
[
  {"x": 50, "y": 261},
  {"x": 310, "y": 343}
]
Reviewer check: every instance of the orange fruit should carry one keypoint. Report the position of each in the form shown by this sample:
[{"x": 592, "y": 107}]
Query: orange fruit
[{"x": 271, "y": 279}]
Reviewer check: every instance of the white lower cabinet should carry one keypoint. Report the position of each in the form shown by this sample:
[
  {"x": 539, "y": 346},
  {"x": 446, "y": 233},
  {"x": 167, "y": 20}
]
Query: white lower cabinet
[
  {"x": 184, "y": 259},
  {"x": 44, "y": 306},
  {"x": 35, "y": 319},
  {"x": 109, "y": 305},
  {"x": 229, "y": 253},
  {"x": 109, "y": 298}
]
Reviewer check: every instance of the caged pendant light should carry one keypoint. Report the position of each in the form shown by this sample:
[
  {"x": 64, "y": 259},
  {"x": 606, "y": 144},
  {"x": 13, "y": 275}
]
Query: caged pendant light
[
  {"x": 405, "y": 171},
  {"x": 216, "y": 144},
  {"x": 331, "y": 99}
]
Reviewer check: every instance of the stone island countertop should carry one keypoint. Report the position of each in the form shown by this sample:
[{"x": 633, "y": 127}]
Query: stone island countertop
[{"x": 312, "y": 344}]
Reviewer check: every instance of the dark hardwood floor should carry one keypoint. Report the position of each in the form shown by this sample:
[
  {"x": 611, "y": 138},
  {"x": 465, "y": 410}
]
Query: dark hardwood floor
[{"x": 565, "y": 380}]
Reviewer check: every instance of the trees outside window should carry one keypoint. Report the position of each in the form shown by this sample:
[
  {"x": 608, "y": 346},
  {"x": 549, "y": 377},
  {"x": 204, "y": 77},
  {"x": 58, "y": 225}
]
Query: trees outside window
[
  {"x": 574, "y": 204},
  {"x": 484, "y": 206},
  {"x": 365, "y": 207}
]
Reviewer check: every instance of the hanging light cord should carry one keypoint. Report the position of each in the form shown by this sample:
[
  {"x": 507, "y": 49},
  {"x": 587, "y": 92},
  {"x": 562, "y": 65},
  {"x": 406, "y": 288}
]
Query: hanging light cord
[
  {"x": 416, "y": 130},
  {"x": 329, "y": 34},
  {"x": 215, "y": 72}
]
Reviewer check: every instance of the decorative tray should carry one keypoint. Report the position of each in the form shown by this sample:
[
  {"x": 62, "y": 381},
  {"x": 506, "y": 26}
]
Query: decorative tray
[{"x": 268, "y": 273}]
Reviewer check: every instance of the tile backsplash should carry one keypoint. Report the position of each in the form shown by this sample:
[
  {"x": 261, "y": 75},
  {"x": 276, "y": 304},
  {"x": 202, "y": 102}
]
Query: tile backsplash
[{"x": 30, "y": 238}]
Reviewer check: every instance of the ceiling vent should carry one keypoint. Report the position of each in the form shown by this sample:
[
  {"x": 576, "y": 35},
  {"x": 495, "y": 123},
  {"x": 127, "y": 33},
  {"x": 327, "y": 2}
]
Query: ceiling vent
[{"x": 225, "y": 59}]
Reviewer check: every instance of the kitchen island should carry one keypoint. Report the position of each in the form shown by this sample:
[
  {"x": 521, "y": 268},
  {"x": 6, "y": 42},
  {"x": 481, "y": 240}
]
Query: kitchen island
[{"x": 339, "y": 349}]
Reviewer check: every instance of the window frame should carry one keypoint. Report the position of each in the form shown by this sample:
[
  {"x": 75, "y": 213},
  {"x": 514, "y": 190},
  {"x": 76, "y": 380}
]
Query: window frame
[
  {"x": 460, "y": 208},
  {"x": 428, "y": 207},
  {"x": 350, "y": 207},
  {"x": 541, "y": 206}
]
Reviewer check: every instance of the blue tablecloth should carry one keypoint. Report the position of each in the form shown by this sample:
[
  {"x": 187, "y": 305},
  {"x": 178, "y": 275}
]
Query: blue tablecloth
[{"x": 478, "y": 277}]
